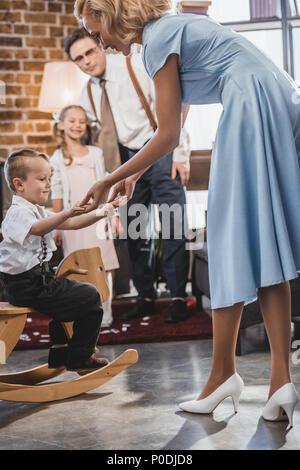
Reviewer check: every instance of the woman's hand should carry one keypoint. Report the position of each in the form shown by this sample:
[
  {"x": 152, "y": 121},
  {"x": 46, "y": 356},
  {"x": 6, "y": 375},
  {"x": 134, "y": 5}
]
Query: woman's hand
[
  {"x": 99, "y": 195},
  {"x": 123, "y": 190}
]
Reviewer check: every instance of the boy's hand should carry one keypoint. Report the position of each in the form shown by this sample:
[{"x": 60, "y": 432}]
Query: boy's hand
[
  {"x": 76, "y": 210},
  {"x": 106, "y": 210},
  {"x": 112, "y": 212}
]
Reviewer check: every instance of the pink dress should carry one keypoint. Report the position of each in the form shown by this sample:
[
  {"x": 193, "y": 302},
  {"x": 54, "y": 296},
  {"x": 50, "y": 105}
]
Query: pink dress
[{"x": 81, "y": 176}]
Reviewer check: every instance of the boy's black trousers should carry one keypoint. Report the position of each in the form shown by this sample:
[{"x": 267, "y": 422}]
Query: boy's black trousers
[{"x": 63, "y": 300}]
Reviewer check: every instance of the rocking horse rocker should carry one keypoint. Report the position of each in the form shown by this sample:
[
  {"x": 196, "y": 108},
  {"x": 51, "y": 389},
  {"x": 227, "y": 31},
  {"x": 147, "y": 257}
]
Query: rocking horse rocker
[{"x": 28, "y": 385}]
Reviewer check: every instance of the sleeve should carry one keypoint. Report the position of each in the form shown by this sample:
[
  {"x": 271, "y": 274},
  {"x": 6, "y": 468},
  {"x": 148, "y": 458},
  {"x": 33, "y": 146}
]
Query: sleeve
[
  {"x": 17, "y": 224},
  {"x": 161, "y": 43},
  {"x": 57, "y": 191},
  {"x": 49, "y": 213},
  {"x": 182, "y": 153}
]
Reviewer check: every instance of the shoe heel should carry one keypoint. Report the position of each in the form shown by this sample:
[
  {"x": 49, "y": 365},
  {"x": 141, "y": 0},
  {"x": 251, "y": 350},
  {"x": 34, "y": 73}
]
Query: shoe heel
[
  {"x": 289, "y": 411},
  {"x": 281, "y": 405},
  {"x": 235, "y": 401}
]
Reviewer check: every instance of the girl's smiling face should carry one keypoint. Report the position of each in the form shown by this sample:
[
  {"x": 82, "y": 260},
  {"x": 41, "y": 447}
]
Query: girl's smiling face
[
  {"x": 74, "y": 124},
  {"x": 95, "y": 28}
]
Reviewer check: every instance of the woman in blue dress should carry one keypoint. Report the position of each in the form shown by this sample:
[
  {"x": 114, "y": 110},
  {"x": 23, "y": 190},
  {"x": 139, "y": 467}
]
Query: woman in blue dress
[{"x": 253, "y": 223}]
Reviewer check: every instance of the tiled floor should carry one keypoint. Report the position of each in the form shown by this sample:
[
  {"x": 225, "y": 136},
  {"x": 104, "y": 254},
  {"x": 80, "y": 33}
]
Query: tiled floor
[{"x": 138, "y": 409}]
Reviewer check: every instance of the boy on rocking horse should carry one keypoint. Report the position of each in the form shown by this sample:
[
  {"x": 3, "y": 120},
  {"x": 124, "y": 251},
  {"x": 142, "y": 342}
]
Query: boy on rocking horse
[{"x": 25, "y": 252}]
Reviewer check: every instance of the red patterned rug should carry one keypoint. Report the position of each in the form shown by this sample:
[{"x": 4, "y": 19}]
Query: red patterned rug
[{"x": 142, "y": 330}]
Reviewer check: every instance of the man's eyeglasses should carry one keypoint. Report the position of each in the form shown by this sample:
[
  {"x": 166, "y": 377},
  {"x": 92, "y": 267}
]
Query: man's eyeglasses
[{"x": 79, "y": 59}]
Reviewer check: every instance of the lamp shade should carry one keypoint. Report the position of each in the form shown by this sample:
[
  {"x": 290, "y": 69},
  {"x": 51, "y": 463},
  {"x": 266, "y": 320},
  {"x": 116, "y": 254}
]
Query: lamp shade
[{"x": 61, "y": 86}]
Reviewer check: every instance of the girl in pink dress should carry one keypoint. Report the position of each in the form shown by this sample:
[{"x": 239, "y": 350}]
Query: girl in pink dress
[{"x": 75, "y": 168}]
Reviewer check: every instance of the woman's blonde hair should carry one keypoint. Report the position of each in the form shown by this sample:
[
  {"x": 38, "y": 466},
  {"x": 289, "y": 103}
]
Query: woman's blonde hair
[
  {"x": 59, "y": 135},
  {"x": 124, "y": 19}
]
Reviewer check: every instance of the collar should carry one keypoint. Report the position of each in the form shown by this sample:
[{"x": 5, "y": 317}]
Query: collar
[
  {"x": 36, "y": 208},
  {"x": 97, "y": 80}
]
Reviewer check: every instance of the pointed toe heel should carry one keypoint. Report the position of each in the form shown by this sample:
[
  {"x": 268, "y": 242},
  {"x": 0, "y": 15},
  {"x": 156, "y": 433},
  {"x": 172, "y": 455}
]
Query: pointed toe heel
[{"x": 232, "y": 387}]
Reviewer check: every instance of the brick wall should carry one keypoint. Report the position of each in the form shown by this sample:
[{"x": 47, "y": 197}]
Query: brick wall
[{"x": 31, "y": 34}]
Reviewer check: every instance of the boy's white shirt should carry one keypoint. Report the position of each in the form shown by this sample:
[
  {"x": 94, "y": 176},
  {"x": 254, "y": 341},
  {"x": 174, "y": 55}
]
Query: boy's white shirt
[
  {"x": 59, "y": 180},
  {"x": 124, "y": 101},
  {"x": 20, "y": 251}
]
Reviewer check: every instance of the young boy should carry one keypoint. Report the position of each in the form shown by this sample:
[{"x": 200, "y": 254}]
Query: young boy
[{"x": 25, "y": 252}]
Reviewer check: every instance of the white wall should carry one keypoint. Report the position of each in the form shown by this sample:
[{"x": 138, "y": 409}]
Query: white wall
[{"x": 226, "y": 11}]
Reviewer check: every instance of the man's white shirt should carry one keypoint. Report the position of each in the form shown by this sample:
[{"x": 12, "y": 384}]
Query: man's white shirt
[{"x": 132, "y": 124}]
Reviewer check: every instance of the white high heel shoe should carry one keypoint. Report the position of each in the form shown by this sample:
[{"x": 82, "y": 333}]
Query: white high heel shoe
[
  {"x": 281, "y": 405},
  {"x": 232, "y": 387}
]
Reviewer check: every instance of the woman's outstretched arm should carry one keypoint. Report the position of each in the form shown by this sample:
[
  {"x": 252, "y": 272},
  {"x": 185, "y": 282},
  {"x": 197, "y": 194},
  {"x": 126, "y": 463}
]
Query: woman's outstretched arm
[{"x": 165, "y": 139}]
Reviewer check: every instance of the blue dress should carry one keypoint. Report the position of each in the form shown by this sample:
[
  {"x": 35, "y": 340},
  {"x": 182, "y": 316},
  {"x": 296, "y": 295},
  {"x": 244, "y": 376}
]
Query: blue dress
[{"x": 253, "y": 218}]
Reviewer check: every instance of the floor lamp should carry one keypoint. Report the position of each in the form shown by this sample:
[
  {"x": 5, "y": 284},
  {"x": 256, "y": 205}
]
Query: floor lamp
[{"x": 61, "y": 86}]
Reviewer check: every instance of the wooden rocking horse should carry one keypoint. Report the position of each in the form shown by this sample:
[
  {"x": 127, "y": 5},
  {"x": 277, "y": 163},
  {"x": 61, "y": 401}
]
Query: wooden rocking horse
[{"x": 27, "y": 386}]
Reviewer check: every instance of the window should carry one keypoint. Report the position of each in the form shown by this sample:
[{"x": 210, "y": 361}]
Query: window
[
  {"x": 269, "y": 41},
  {"x": 267, "y": 35},
  {"x": 294, "y": 8},
  {"x": 227, "y": 11},
  {"x": 296, "y": 56}
]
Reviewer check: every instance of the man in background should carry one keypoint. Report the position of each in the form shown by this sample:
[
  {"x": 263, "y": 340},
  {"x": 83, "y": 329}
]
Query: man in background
[{"x": 125, "y": 121}]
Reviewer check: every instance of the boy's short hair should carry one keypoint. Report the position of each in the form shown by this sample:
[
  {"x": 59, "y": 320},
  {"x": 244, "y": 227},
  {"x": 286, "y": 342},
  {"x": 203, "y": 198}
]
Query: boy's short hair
[
  {"x": 76, "y": 35},
  {"x": 16, "y": 165}
]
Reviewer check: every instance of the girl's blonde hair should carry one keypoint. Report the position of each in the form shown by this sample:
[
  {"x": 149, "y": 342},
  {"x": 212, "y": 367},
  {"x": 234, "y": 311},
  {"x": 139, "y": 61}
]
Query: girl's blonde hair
[
  {"x": 59, "y": 135},
  {"x": 124, "y": 19}
]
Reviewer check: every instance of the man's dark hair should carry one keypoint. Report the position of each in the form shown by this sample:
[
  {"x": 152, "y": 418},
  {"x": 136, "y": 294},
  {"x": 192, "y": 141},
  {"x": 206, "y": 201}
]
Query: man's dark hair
[{"x": 79, "y": 33}]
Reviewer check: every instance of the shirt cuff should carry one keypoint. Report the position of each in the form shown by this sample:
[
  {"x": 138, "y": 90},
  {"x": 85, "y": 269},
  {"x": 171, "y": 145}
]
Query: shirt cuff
[{"x": 180, "y": 158}]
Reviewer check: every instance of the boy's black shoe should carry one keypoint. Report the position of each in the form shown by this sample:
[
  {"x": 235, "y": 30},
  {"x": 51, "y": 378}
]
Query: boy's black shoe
[
  {"x": 142, "y": 308},
  {"x": 177, "y": 312},
  {"x": 58, "y": 357},
  {"x": 92, "y": 363}
]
